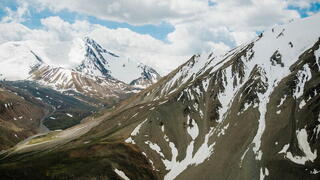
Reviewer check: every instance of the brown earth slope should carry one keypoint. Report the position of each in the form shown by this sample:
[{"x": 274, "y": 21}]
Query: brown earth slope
[{"x": 19, "y": 118}]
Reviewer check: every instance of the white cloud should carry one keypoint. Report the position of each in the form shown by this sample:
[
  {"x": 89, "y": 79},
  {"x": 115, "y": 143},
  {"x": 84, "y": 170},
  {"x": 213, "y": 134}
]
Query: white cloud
[
  {"x": 174, "y": 11},
  {"x": 195, "y": 22},
  {"x": 57, "y": 37},
  {"x": 133, "y": 11},
  {"x": 198, "y": 27},
  {"x": 12, "y": 32}
]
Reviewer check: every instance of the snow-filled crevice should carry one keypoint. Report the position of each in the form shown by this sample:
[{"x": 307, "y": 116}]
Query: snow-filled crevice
[
  {"x": 304, "y": 146},
  {"x": 192, "y": 128},
  {"x": 121, "y": 174},
  {"x": 303, "y": 76},
  {"x": 135, "y": 132},
  {"x": 177, "y": 167}
]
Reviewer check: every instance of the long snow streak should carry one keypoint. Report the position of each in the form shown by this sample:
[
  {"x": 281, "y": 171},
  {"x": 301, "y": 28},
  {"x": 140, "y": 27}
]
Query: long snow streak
[{"x": 177, "y": 167}]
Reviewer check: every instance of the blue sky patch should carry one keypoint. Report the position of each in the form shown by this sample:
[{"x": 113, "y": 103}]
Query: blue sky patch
[
  {"x": 305, "y": 12},
  {"x": 211, "y": 3},
  {"x": 34, "y": 21}
]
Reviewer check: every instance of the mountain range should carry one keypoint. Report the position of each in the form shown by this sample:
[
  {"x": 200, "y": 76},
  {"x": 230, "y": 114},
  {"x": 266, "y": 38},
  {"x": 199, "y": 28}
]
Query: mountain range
[
  {"x": 61, "y": 97},
  {"x": 252, "y": 113},
  {"x": 98, "y": 68}
]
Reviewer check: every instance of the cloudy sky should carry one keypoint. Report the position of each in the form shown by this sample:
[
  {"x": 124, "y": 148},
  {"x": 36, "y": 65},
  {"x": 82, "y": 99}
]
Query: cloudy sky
[{"x": 160, "y": 33}]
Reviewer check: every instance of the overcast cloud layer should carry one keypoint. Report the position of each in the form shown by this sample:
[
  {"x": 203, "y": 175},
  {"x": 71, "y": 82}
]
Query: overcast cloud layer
[{"x": 199, "y": 26}]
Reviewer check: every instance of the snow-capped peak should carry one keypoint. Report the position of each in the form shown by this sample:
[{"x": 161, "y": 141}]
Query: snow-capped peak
[
  {"x": 148, "y": 76},
  {"x": 94, "y": 58},
  {"x": 95, "y": 45},
  {"x": 19, "y": 59},
  {"x": 97, "y": 61}
]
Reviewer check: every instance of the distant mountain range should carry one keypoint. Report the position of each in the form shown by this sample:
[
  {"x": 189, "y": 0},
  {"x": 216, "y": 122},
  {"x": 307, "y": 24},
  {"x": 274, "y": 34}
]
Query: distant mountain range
[{"x": 100, "y": 73}]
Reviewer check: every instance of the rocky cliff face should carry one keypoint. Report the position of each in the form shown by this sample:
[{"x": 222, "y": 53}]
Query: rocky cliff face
[{"x": 252, "y": 113}]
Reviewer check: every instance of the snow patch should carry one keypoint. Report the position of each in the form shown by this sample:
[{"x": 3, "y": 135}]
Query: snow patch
[
  {"x": 155, "y": 147},
  {"x": 282, "y": 101},
  {"x": 135, "y": 132},
  {"x": 284, "y": 149},
  {"x": 121, "y": 174},
  {"x": 246, "y": 106},
  {"x": 302, "y": 104},
  {"x": 176, "y": 167},
  {"x": 70, "y": 115},
  {"x": 222, "y": 131},
  {"x": 304, "y": 146},
  {"x": 314, "y": 171},
  {"x": 303, "y": 76},
  {"x": 263, "y": 173},
  {"x": 192, "y": 129}
]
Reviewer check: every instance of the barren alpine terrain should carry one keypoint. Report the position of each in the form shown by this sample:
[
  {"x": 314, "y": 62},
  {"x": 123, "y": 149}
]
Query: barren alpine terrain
[{"x": 251, "y": 113}]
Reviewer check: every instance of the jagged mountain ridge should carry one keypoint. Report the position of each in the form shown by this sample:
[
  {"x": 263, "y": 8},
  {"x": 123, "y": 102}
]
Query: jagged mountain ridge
[
  {"x": 94, "y": 62},
  {"x": 97, "y": 61},
  {"x": 148, "y": 77},
  {"x": 101, "y": 74},
  {"x": 250, "y": 114},
  {"x": 63, "y": 79}
]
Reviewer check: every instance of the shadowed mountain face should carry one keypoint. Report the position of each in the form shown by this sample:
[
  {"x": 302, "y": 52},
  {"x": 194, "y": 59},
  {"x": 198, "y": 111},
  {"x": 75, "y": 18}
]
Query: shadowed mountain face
[{"x": 252, "y": 113}]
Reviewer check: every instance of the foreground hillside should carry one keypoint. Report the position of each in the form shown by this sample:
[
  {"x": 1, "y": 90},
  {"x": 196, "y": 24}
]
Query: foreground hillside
[
  {"x": 19, "y": 117},
  {"x": 252, "y": 113}
]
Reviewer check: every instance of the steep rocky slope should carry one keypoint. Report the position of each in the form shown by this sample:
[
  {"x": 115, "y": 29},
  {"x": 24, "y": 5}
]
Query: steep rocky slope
[
  {"x": 19, "y": 117},
  {"x": 252, "y": 113}
]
